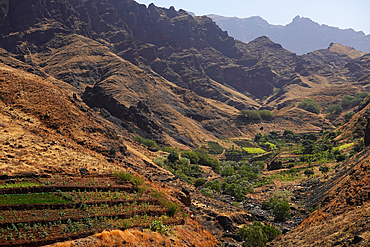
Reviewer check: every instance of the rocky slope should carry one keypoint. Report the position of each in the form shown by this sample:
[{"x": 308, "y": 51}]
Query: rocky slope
[
  {"x": 162, "y": 73},
  {"x": 300, "y": 36},
  {"x": 79, "y": 79}
]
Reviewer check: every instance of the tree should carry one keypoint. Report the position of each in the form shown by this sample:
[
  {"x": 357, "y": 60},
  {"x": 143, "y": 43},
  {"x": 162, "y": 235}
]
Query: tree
[
  {"x": 324, "y": 169},
  {"x": 257, "y": 235},
  {"x": 309, "y": 105},
  {"x": 348, "y": 115},
  {"x": 281, "y": 211},
  {"x": 193, "y": 157},
  {"x": 346, "y": 101},
  {"x": 334, "y": 109},
  {"x": 173, "y": 157},
  {"x": 227, "y": 171},
  {"x": 308, "y": 172}
]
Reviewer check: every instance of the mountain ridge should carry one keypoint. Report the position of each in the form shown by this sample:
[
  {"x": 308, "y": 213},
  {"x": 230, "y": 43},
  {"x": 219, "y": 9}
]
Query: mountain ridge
[{"x": 299, "y": 31}]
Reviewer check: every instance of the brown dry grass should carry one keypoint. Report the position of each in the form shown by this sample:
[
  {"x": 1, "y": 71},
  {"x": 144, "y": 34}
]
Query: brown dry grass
[
  {"x": 344, "y": 211},
  {"x": 182, "y": 235}
]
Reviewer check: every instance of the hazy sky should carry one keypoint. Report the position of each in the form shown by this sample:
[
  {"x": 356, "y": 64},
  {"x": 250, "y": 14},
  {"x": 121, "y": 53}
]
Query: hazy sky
[{"x": 353, "y": 14}]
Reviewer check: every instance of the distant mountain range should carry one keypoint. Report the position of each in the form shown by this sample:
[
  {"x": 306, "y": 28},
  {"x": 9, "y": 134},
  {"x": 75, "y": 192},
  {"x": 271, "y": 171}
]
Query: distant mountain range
[{"x": 301, "y": 36}]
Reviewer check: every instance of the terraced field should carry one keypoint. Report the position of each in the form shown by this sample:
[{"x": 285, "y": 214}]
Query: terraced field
[{"x": 39, "y": 211}]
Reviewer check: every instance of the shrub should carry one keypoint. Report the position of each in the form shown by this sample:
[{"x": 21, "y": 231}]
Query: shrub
[
  {"x": 281, "y": 211},
  {"x": 193, "y": 157},
  {"x": 199, "y": 182},
  {"x": 215, "y": 147},
  {"x": 350, "y": 101},
  {"x": 340, "y": 157},
  {"x": 158, "y": 226},
  {"x": 308, "y": 147},
  {"x": 206, "y": 160},
  {"x": 265, "y": 115},
  {"x": 146, "y": 142},
  {"x": 173, "y": 157},
  {"x": 348, "y": 115},
  {"x": 324, "y": 169},
  {"x": 334, "y": 109},
  {"x": 214, "y": 185},
  {"x": 128, "y": 177},
  {"x": 207, "y": 192},
  {"x": 257, "y": 234},
  {"x": 310, "y": 105},
  {"x": 346, "y": 101},
  {"x": 309, "y": 172},
  {"x": 237, "y": 187},
  {"x": 184, "y": 161},
  {"x": 279, "y": 205},
  {"x": 227, "y": 171},
  {"x": 172, "y": 208},
  {"x": 250, "y": 115},
  {"x": 169, "y": 149},
  {"x": 159, "y": 160}
]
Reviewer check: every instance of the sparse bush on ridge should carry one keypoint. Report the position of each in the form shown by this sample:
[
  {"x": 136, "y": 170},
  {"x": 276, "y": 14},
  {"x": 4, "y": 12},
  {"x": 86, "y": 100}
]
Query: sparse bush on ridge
[
  {"x": 309, "y": 105},
  {"x": 146, "y": 142},
  {"x": 334, "y": 109},
  {"x": 351, "y": 101},
  {"x": 256, "y": 115}
]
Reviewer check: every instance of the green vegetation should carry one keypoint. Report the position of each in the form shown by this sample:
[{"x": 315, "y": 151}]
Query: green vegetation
[
  {"x": 257, "y": 235},
  {"x": 334, "y": 109},
  {"x": 256, "y": 115},
  {"x": 324, "y": 169},
  {"x": 199, "y": 182},
  {"x": 254, "y": 150},
  {"x": 309, "y": 105},
  {"x": 20, "y": 185},
  {"x": 147, "y": 142},
  {"x": 215, "y": 148},
  {"x": 36, "y": 198},
  {"x": 172, "y": 207},
  {"x": 352, "y": 101},
  {"x": 309, "y": 172},
  {"x": 349, "y": 115},
  {"x": 279, "y": 204},
  {"x": 344, "y": 146},
  {"x": 169, "y": 149},
  {"x": 173, "y": 157},
  {"x": 158, "y": 226},
  {"x": 207, "y": 192},
  {"x": 239, "y": 178},
  {"x": 206, "y": 160},
  {"x": 192, "y": 156},
  {"x": 128, "y": 177}
]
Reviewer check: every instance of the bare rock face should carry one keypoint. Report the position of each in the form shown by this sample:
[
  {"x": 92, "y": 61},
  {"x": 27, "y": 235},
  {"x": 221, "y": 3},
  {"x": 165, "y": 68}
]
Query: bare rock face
[{"x": 97, "y": 46}]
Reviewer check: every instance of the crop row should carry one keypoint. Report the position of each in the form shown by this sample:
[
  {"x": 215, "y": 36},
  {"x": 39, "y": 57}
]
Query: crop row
[
  {"x": 21, "y": 216},
  {"x": 35, "y": 234}
]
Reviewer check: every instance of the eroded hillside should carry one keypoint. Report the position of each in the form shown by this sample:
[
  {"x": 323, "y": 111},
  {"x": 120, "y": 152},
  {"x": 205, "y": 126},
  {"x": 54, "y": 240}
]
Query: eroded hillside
[{"x": 81, "y": 80}]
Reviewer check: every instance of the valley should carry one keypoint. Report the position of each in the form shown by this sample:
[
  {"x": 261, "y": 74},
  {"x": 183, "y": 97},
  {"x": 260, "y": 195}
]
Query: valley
[{"x": 146, "y": 126}]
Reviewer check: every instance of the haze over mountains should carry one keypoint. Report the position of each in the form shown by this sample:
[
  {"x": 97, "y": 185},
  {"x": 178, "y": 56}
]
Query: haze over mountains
[{"x": 301, "y": 36}]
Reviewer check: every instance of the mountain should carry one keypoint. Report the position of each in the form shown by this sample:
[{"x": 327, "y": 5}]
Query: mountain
[
  {"x": 300, "y": 36},
  {"x": 81, "y": 80}
]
